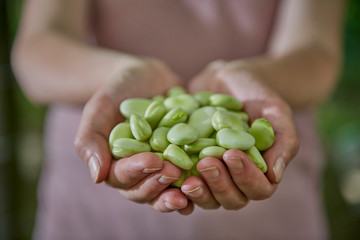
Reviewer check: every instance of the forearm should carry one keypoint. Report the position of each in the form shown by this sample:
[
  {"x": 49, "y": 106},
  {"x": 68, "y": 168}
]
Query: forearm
[
  {"x": 53, "y": 67},
  {"x": 304, "y": 55},
  {"x": 303, "y": 77}
]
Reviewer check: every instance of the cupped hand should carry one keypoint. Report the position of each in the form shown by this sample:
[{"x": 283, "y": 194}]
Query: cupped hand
[
  {"x": 231, "y": 183},
  {"x": 144, "y": 177}
]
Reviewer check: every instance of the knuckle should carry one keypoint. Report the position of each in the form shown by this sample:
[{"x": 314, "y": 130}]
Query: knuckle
[
  {"x": 79, "y": 144},
  {"x": 210, "y": 206},
  {"x": 262, "y": 196},
  {"x": 236, "y": 205}
]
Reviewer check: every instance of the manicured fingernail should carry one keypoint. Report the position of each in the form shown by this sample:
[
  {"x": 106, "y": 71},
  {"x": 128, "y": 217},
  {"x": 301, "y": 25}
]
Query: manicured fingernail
[
  {"x": 167, "y": 180},
  {"x": 171, "y": 207},
  {"x": 210, "y": 173},
  {"x": 150, "y": 170},
  {"x": 196, "y": 192},
  {"x": 234, "y": 163},
  {"x": 94, "y": 166},
  {"x": 279, "y": 168}
]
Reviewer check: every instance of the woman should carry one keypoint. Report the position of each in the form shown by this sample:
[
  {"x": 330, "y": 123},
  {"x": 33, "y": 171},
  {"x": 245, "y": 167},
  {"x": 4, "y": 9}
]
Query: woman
[{"x": 276, "y": 57}]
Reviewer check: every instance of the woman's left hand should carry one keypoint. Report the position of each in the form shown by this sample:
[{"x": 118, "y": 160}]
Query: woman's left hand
[{"x": 231, "y": 183}]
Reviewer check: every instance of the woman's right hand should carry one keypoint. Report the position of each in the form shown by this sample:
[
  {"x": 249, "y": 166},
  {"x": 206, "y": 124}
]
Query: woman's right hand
[{"x": 144, "y": 177}]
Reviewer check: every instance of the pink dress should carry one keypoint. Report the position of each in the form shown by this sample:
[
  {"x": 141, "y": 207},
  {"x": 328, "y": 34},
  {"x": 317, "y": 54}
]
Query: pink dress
[{"x": 187, "y": 34}]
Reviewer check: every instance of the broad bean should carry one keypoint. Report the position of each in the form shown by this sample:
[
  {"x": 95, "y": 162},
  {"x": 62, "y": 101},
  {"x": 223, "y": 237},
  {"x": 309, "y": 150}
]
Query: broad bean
[
  {"x": 178, "y": 157},
  {"x": 184, "y": 128}
]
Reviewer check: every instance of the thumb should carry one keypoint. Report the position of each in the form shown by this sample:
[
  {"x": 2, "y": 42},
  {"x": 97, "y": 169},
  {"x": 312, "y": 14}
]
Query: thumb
[{"x": 91, "y": 141}]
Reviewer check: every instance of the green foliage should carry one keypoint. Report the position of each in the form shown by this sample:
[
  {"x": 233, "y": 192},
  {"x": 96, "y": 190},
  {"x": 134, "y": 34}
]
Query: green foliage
[{"x": 338, "y": 120}]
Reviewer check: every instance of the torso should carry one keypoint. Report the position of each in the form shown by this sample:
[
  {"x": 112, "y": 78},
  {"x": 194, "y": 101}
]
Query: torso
[{"x": 186, "y": 34}]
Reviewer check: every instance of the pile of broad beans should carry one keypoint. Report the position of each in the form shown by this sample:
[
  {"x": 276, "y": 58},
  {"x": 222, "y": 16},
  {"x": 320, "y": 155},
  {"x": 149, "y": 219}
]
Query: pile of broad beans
[{"x": 184, "y": 128}]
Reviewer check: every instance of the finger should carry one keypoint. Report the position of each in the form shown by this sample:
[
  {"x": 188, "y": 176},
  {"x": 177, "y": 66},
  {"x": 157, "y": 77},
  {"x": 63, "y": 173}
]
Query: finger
[
  {"x": 188, "y": 209},
  {"x": 220, "y": 183},
  {"x": 285, "y": 146},
  {"x": 91, "y": 140},
  {"x": 198, "y": 192},
  {"x": 170, "y": 200},
  {"x": 152, "y": 185},
  {"x": 247, "y": 177},
  {"x": 127, "y": 172}
]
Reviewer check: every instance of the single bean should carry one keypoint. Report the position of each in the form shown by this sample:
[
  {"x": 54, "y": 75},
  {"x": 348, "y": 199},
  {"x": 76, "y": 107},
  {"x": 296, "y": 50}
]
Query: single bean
[
  {"x": 263, "y": 133},
  {"x": 121, "y": 130},
  {"x": 161, "y": 155},
  {"x": 232, "y": 139},
  {"x": 203, "y": 97},
  {"x": 201, "y": 120},
  {"x": 134, "y": 105},
  {"x": 158, "y": 98},
  {"x": 182, "y": 133},
  {"x": 226, "y": 101},
  {"x": 158, "y": 141},
  {"x": 198, "y": 145},
  {"x": 212, "y": 151},
  {"x": 257, "y": 158},
  {"x": 184, "y": 175},
  {"x": 178, "y": 157},
  {"x": 225, "y": 119},
  {"x": 174, "y": 116},
  {"x": 195, "y": 159},
  {"x": 185, "y": 101},
  {"x": 140, "y": 128},
  {"x": 176, "y": 91},
  {"x": 242, "y": 115},
  {"x": 154, "y": 113},
  {"x": 125, "y": 147}
]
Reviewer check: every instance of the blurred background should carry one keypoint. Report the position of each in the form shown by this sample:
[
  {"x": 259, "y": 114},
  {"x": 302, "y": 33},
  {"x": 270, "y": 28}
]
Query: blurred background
[{"x": 21, "y": 126}]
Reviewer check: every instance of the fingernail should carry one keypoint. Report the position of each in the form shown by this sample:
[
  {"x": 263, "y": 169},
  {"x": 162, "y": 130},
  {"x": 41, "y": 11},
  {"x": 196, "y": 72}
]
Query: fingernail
[
  {"x": 196, "y": 192},
  {"x": 210, "y": 173},
  {"x": 167, "y": 180},
  {"x": 150, "y": 170},
  {"x": 94, "y": 166},
  {"x": 171, "y": 207},
  {"x": 234, "y": 163},
  {"x": 279, "y": 168}
]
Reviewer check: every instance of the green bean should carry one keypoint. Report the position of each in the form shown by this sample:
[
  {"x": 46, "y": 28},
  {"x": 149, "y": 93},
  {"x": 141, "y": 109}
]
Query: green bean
[
  {"x": 212, "y": 151},
  {"x": 176, "y": 91},
  {"x": 201, "y": 120},
  {"x": 158, "y": 98},
  {"x": 121, "y": 130},
  {"x": 161, "y": 155},
  {"x": 198, "y": 145},
  {"x": 140, "y": 128},
  {"x": 185, "y": 101},
  {"x": 203, "y": 97},
  {"x": 232, "y": 139},
  {"x": 184, "y": 175},
  {"x": 154, "y": 113},
  {"x": 178, "y": 157},
  {"x": 225, "y": 119},
  {"x": 226, "y": 101},
  {"x": 184, "y": 128},
  {"x": 241, "y": 115},
  {"x": 158, "y": 141},
  {"x": 182, "y": 133},
  {"x": 263, "y": 133},
  {"x": 257, "y": 159},
  {"x": 134, "y": 105},
  {"x": 174, "y": 116},
  {"x": 125, "y": 147},
  {"x": 195, "y": 159}
]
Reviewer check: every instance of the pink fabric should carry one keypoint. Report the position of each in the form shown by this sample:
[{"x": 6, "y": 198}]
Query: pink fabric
[{"x": 186, "y": 34}]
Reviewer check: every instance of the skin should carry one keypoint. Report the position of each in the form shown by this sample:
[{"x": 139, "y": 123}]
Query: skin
[{"x": 305, "y": 45}]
